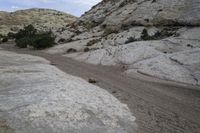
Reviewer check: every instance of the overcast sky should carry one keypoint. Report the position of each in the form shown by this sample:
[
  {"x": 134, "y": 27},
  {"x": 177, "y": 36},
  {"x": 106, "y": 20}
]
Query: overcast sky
[{"x": 75, "y": 7}]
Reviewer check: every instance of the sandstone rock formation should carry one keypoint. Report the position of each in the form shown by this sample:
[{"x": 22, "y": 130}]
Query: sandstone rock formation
[
  {"x": 39, "y": 98},
  {"x": 154, "y": 37},
  {"x": 145, "y": 12}
]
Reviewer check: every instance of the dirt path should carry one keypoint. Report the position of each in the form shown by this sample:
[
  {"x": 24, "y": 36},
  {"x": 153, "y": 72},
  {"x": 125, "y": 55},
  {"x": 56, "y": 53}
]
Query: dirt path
[{"x": 160, "y": 107}]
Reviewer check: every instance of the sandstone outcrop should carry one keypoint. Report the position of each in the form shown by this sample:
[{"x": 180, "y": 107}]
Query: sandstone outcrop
[
  {"x": 153, "y": 37},
  {"x": 37, "y": 97}
]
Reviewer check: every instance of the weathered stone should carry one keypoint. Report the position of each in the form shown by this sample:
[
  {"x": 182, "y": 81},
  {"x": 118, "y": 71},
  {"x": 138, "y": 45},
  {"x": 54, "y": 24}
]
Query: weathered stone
[
  {"x": 139, "y": 32},
  {"x": 148, "y": 12},
  {"x": 36, "y": 97}
]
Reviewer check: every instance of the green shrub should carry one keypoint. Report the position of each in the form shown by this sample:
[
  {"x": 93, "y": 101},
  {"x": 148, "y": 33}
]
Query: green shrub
[
  {"x": 163, "y": 34},
  {"x": 11, "y": 35},
  {"x": 145, "y": 35},
  {"x": 1, "y": 36},
  {"x": 29, "y": 37},
  {"x": 71, "y": 50},
  {"x": 22, "y": 42},
  {"x": 103, "y": 26},
  {"x": 5, "y": 39},
  {"x": 130, "y": 39},
  {"x": 62, "y": 40},
  {"x": 42, "y": 41},
  {"x": 158, "y": 35},
  {"x": 92, "y": 42},
  {"x": 86, "y": 49},
  {"x": 28, "y": 31}
]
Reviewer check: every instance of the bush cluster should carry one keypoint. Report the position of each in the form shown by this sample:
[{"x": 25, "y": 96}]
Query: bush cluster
[
  {"x": 30, "y": 37},
  {"x": 86, "y": 49},
  {"x": 1, "y": 36},
  {"x": 157, "y": 36},
  {"x": 5, "y": 39},
  {"x": 11, "y": 35},
  {"x": 145, "y": 35}
]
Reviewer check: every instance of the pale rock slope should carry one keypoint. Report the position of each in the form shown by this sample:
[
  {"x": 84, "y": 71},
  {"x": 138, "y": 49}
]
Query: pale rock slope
[
  {"x": 159, "y": 38},
  {"x": 42, "y": 19},
  {"x": 38, "y": 98},
  {"x": 145, "y": 12}
]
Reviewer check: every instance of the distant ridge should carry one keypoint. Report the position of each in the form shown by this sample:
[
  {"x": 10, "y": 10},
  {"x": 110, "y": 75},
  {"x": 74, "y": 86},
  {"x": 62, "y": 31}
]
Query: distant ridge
[{"x": 43, "y": 19}]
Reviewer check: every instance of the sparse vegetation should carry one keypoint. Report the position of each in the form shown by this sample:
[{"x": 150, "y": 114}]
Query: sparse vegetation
[
  {"x": 5, "y": 39},
  {"x": 22, "y": 42},
  {"x": 71, "y": 50},
  {"x": 130, "y": 39},
  {"x": 125, "y": 26},
  {"x": 86, "y": 49},
  {"x": 103, "y": 26},
  {"x": 92, "y": 42},
  {"x": 40, "y": 18},
  {"x": 145, "y": 35},
  {"x": 158, "y": 35},
  {"x": 28, "y": 31},
  {"x": 29, "y": 37},
  {"x": 163, "y": 34},
  {"x": 109, "y": 31},
  {"x": 189, "y": 45},
  {"x": 1, "y": 35},
  {"x": 90, "y": 24},
  {"x": 62, "y": 40},
  {"x": 11, "y": 35}
]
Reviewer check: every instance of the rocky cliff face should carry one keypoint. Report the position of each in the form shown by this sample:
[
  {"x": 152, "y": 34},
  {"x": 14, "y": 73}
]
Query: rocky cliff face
[
  {"x": 145, "y": 12},
  {"x": 43, "y": 19},
  {"x": 159, "y": 38}
]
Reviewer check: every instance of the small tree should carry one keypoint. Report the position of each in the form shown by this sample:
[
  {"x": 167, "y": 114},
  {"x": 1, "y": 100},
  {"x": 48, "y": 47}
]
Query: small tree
[
  {"x": 1, "y": 35},
  {"x": 29, "y": 37},
  {"x": 22, "y": 42},
  {"x": 28, "y": 31},
  {"x": 145, "y": 35},
  {"x": 42, "y": 41},
  {"x": 11, "y": 35},
  {"x": 5, "y": 39}
]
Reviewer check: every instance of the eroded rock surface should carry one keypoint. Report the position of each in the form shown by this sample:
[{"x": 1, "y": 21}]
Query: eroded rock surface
[
  {"x": 36, "y": 97},
  {"x": 173, "y": 58},
  {"x": 144, "y": 12},
  {"x": 154, "y": 37}
]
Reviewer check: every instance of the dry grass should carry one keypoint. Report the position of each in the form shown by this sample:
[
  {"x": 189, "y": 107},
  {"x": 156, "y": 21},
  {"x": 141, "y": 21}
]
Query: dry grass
[{"x": 40, "y": 18}]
